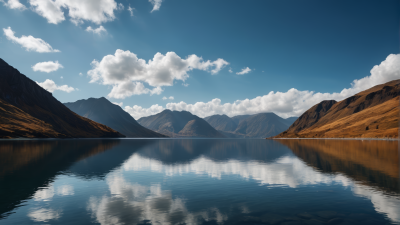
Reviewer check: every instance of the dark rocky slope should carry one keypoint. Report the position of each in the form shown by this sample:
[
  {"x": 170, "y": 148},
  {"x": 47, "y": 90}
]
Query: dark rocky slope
[
  {"x": 40, "y": 110},
  {"x": 103, "y": 111}
]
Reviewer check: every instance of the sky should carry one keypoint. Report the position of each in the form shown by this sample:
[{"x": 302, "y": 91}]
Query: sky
[{"x": 207, "y": 57}]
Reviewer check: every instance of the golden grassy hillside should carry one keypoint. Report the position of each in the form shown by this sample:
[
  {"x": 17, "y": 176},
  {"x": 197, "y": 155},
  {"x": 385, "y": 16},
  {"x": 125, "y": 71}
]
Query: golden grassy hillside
[{"x": 373, "y": 113}]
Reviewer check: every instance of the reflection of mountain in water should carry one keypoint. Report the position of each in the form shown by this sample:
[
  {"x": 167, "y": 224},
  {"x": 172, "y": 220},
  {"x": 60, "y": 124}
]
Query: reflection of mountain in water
[
  {"x": 27, "y": 165},
  {"x": 372, "y": 162},
  {"x": 185, "y": 150}
]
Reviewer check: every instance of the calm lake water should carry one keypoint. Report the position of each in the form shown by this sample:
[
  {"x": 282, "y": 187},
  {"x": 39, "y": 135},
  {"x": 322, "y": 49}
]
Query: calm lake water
[{"x": 199, "y": 181}]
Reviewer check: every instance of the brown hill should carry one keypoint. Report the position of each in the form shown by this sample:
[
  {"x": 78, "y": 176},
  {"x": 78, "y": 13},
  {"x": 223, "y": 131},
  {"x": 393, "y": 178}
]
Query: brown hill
[
  {"x": 28, "y": 110},
  {"x": 373, "y": 113}
]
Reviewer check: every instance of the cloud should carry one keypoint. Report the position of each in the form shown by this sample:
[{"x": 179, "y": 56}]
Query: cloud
[
  {"x": 120, "y": 104},
  {"x": 124, "y": 70},
  {"x": 127, "y": 89},
  {"x": 98, "y": 30},
  {"x": 47, "y": 67},
  {"x": 285, "y": 104},
  {"x": 44, "y": 215},
  {"x": 80, "y": 74},
  {"x": 230, "y": 70},
  {"x": 130, "y": 9},
  {"x": 244, "y": 71},
  {"x": 120, "y": 6},
  {"x": 138, "y": 112},
  {"x": 50, "y": 86},
  {"x": 95, "y": 11},
  {"x": 29, "y": 42},
  {"x": 14, "y": 4},
  {"x": 166, "y": 98},
  {"x": 156, "y": 4}
]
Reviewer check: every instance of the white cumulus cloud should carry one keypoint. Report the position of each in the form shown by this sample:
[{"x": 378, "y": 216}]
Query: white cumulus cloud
[
  {"x": 30, "y": 43},
  {"x": 98, "y": 30},
  {"x": 138, "y": 112},
  {"x": 126, "y": 89},
  {"x": 156, "y": 4},
  {"x": 51, "y": 86},
  {"x": 14, "y": 4},
  {"x": 126, "y": 72},
  {"x": 244, "y": 71},
  {"x": 47, "y": 67},
  {"x": 95, "y": 11},
  {"x": 285, "y": 104}
]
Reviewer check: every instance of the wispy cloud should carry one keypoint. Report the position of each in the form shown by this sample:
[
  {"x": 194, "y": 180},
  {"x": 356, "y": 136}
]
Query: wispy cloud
[
  {"x": 244, "y": 71},
  {"x": 30, "y": 43}
]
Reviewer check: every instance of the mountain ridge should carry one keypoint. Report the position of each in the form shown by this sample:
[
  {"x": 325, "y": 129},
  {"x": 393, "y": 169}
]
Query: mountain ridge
[
  {"x": 39, "y": 110},
  {"x": 259, "y": 125},
  {"x": 103, "y": 111},
  {"x": 179, "y": 124},
  {"x": 373, "y": 113}
]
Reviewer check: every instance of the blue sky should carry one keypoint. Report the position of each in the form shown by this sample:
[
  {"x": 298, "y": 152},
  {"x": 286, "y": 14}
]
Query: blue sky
[{"x": 310, "y": 46}]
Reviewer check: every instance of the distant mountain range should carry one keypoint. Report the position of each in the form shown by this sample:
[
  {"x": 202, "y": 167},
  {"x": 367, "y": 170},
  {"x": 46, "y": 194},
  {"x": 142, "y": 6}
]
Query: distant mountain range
[
  {"x": 28, "y": 110},
  {"x": 103, "y": 111},
  {"x": 260, "y": 125},
  {"x": 179, "y": 124},
  {"x": 368, "y": 114}
]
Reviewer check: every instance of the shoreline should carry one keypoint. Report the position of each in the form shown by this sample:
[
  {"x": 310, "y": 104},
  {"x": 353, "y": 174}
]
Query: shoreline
[{"x": 362, "y": 139}]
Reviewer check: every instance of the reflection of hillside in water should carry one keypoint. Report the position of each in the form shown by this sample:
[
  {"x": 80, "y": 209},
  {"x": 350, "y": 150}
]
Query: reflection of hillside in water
[
  {"x": 372, "y": 162},
  {"x": 182, "y": 151},
  {"x": 27, "y": 165}
]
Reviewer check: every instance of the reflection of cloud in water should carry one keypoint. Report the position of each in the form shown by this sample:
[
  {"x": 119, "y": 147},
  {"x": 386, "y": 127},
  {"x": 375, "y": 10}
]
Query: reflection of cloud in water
[
  {"x": 47, "y": 193},
  {"x": 132, "y": 203},
  {"x": 287, "y": 170},
  {"x": 44, "y": 215},
  {"x": 44, "y": 194},
  {"x": 65, "y": 190},
  {"x": 382, "y": 203}
]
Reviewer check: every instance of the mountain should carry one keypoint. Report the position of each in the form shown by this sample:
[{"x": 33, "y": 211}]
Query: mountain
[
  {"x": 291, "y": 120},
  {"x": 28, "y": 110},
  {"x": 179, "y": 124},
  {"x": 240, "y": 118},
  {"x": 251, "y": 126},
  {"x": 373, "y": 113},
  {"x": 262, "y": 125},
  {"x": 222, "y": 123},
  {"x": 103, "y": 111}
]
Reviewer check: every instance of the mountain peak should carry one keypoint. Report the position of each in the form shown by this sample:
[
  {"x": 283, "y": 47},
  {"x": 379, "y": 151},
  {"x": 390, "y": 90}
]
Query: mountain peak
[
  {"x": 19, "y": 92},
  {"x": 101, "y": 111},
  {"x": 370, "y": 113}
]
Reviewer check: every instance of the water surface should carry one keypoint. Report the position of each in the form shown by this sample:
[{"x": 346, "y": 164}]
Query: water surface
[{"x": 199, "y": 181}]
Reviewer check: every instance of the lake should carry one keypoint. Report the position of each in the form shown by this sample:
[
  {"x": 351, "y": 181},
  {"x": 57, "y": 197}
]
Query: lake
[{"x": 199, "y": 181}]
